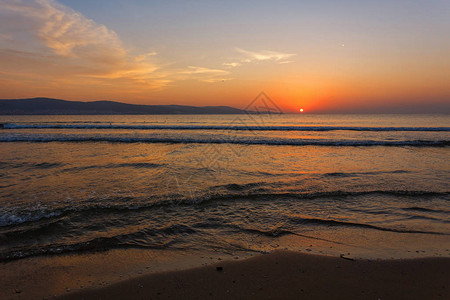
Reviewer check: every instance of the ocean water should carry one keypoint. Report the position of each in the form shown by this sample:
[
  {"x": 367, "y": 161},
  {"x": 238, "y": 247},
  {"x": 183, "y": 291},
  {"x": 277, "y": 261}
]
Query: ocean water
[{"x": 225, "y": 183}]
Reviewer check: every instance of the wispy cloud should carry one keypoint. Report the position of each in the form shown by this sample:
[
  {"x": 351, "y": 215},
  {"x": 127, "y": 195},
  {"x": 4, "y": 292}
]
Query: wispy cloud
[
  {"x": 44, "y": 32},
  {"x": 202, "y": 70},
  {"x": 203, "y": 74},
  {"x": 286, "y": 62},
  {"x": 145, "y": 56},
  {"x": 265, "y": 55},
  {"x": 232, "y": 64},
  {"x": 64, "y": 31},
  {"x": 258, "y": 56}
]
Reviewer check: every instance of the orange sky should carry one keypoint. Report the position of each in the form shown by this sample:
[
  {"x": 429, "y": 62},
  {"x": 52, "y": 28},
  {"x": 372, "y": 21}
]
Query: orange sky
[{"x": 322, "y": 57}]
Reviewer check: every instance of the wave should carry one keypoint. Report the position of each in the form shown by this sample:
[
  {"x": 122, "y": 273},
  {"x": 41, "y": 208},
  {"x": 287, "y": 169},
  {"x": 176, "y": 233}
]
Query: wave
[
  {"x": 30, "y": 165},
  {"x": 13, "y": 217},
  {"x": 425, "y": 209},
  {"x": 136, "y": 165},
  {"x": 129, "y": 240},
  {"x": 240, "y": 141},
  {"x": 48, "y": 165},
  {"x": 218, "y": 127},
  {"x": 72, "y": 229},
  {"x": 354, "y": 174},
  {"x": 174, "y": 235},
  {"x": 97, "y": 244},
  {"x": 333, "y": 223}
]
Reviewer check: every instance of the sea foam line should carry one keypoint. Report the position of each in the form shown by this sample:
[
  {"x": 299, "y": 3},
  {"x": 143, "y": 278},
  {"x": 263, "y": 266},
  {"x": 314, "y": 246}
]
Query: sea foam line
[
  {"x": 219, "y": 127},
  {"x": 231, "y": 140}
]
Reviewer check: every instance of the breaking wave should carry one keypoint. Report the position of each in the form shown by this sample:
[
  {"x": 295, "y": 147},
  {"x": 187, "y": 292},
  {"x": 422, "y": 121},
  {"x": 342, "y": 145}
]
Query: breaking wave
[
  {"x": 239, "y": 141},
  {"x": 218, "y": 127}
]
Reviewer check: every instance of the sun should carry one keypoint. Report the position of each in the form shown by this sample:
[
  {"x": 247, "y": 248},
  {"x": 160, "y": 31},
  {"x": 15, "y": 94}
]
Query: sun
[{"x": 301, "y": 109}]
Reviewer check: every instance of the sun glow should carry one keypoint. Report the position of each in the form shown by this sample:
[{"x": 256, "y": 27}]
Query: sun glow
[{"x": 301, "y": 109}]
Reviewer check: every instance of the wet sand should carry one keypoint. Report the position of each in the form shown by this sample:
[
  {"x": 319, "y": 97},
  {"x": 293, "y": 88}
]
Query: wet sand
[{"x": 289, "y": 275}]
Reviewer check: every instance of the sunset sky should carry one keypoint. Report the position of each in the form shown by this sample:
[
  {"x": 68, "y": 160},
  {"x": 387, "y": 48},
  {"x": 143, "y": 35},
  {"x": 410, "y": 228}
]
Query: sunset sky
[{"x": 322, "y": 56}]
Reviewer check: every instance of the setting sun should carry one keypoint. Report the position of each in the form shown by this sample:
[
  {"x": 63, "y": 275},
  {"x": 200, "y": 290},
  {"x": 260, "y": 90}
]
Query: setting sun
[{"x": 301, "y": 109}]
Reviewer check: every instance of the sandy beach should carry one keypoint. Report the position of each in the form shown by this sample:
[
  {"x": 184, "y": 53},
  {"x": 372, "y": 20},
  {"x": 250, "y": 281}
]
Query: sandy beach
[{"x": 288, "y": 275}]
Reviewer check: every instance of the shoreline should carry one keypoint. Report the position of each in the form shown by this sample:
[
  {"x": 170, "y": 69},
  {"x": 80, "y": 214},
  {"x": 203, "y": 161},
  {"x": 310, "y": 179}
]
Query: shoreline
[{"x": 162, "y": 274}]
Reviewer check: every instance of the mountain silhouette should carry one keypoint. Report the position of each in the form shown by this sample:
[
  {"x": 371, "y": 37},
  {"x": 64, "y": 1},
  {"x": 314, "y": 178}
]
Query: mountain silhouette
[{"x": 49, "y": 106}]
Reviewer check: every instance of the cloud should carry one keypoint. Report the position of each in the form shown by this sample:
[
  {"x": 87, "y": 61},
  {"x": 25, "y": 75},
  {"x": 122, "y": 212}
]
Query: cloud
[
  {"x": 264, "y": 55},
  {"x": 286, "y": 62},
  {"x": 63, "y": 30},
  {"x": 56, "y": 40},
  {"x": 232, "y": 64},
  {"x": 202, "y": 70},
  {"x": 203, "y": 74},
  {"x": 144, "y": 56}
]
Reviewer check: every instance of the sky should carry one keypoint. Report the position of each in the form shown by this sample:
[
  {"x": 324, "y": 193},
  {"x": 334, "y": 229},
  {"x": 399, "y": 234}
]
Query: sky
[{"x": 322, "y": 56}]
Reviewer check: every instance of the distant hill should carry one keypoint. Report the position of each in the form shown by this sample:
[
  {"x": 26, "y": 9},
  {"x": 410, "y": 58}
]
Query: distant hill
[{"x": 48, "y": 106}]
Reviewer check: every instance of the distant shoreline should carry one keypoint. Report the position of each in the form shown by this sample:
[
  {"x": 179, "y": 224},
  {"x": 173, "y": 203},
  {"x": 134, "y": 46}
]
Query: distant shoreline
[{"x": 48, "y": 106}]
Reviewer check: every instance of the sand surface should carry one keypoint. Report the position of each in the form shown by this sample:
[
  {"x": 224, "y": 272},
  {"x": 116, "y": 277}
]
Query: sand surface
[{"x": 289, "y": 275}]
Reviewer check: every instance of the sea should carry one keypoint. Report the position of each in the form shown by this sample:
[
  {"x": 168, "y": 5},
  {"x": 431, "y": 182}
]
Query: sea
[{"x": 374, "y": 184}]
